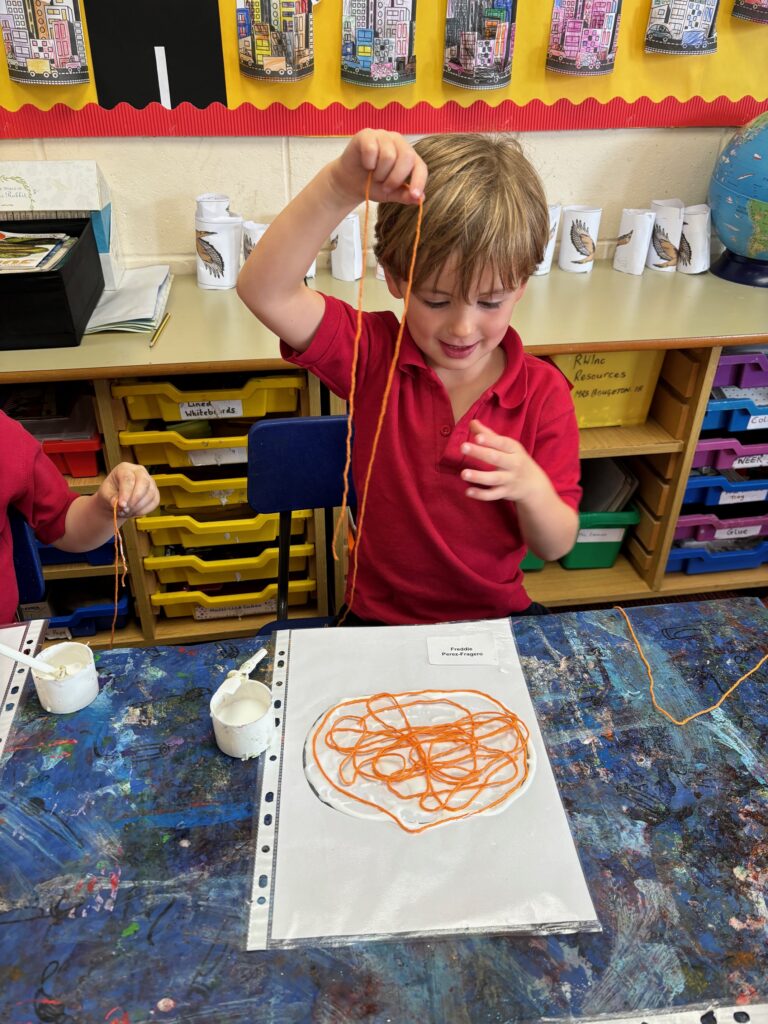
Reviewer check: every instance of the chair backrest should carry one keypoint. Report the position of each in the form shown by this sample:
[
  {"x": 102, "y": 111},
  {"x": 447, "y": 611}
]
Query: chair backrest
[
  {"x": 26, "y": 560},
  {"x": 296, "y": 464}
]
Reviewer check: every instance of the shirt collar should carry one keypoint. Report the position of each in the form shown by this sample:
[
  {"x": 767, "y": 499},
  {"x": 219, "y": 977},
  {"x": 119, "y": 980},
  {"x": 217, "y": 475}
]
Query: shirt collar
[{"x": 510, "y": 388}]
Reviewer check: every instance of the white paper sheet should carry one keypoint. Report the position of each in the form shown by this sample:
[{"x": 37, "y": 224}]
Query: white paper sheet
[
  {"x": 137, "y": 299},
  {"x": 325, "y": 876}
]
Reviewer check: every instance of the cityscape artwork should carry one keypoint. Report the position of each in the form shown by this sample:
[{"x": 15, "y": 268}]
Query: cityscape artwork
[
  {"x": 479, "y": 43},
  {"x": 44, "y": 42},
  {"x": 377, "y": 42},
  {"x": 583, "y": 36},
  {"x": 682, "y": 27},
  {"x": 275, "y": 39}
]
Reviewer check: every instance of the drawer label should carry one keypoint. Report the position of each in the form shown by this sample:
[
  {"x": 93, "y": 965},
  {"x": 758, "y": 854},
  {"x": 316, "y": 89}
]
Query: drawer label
[
  {"x": 598, "y": 536},
  {"x": 739, "y": 497},
  {"x": 758, "y": 396},
  {"x": 218, "y": 456},
  {"x": 757, "y": 422},
  {"x": 211, "y": 410},
  {"x": 236, "y": 611},
  {"x": 751, "y": 460},
  {"x": 737, "y": 531}
]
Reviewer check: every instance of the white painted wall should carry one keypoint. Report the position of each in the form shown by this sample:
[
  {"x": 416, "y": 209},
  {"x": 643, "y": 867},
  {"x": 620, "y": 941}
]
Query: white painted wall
[{"x": 154, "y": 182}]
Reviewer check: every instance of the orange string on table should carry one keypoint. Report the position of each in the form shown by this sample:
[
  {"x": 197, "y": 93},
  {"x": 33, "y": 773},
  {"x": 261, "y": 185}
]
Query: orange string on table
[
  {"x": 442, "y": 766},
  {"x": 119, "y": 558},
  {"x": 355, "y": 550},
  {"x": 696, "y": 714}
]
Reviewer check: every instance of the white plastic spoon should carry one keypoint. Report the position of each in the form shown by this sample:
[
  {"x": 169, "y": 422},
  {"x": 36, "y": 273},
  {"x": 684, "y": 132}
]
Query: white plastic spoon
[{"x": 41, "y": 667}]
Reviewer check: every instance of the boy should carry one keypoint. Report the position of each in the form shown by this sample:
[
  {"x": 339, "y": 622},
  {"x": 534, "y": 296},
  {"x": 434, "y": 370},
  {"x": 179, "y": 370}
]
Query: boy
[
  {"x": 30, "y": 481},
  {"x": 478, "y": 456}
]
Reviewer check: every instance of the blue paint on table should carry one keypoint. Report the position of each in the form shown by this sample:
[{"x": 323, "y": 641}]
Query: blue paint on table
[{"x": 126, "y": 846}]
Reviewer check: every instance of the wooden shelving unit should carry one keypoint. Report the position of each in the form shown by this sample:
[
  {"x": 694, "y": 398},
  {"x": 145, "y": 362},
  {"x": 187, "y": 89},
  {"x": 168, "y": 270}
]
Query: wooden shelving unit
[{"x": 690, "y": 318}]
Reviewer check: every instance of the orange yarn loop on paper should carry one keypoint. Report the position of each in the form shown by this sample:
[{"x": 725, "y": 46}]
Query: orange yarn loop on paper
[
  {"x": 445, "y": 767},
  {"x": 696, "y": 714},
  {"x": 355, "y": 549},
  {"x": 119, "y": 558}
]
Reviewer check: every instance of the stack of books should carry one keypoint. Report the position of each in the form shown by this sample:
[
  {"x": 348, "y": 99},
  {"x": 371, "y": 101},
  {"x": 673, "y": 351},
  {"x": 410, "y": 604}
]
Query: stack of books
[
  {"x": 22, "y": 253},
  {"x": 137, "y": 305}
]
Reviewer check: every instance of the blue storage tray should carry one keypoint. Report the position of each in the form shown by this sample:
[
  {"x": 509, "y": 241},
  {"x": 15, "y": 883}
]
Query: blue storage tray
[
  {"x": 709, "y": 490},
  {"x": 693, "y": 560},
  {"x": 104, "y": 555},
  {"x": 734, "y": 414},
  {"x": 86, "y": 621}
]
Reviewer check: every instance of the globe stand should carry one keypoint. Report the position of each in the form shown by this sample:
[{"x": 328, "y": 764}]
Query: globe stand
[{"x": 741, "y": 269}]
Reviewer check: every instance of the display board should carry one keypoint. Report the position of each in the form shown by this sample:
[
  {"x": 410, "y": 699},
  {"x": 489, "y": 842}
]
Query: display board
[{"x": 296, "y": 67}]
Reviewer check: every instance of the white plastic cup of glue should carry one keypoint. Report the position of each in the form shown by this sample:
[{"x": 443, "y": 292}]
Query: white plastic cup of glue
[
  {"x": 76, "y": 684},
  {"x": 243, "y": 722}
]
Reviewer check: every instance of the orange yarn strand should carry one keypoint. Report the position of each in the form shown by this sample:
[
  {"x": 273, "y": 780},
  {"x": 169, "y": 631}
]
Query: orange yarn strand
[
  {"x": 119, "y": 558},
  {"x": 697, "y": 714},
  {"x": 383, "y": 409},
  {"x": 353, "y": 382},
  {"x": 444, "y": 767}
]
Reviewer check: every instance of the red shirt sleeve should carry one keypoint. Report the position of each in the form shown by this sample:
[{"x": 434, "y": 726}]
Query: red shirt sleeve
[{"x": 556, "y": 448}]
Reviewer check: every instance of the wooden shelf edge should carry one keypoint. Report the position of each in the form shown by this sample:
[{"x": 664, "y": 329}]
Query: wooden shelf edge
[
  {"x": 189, "y": 630},
  {"x": 701, "y": 583},
  {"x": 644, "y": 438},
  {"x": 560, "y": 588},
  {"x": 128, "y": 636},
  {"x": 86, "y": 484},
  {"x": 76, "y": 570}
]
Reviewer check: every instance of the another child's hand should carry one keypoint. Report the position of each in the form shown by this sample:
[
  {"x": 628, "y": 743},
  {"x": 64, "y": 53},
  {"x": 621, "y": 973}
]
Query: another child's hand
[
  {"x": 515, "y": 476},
  {"x": 399, "y": 173},
  {"x": 133, "y": 488}
]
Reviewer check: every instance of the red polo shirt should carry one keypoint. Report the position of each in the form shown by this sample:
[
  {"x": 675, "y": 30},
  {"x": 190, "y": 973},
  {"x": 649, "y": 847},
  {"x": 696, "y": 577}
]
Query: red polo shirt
[
  {"x": 428, "y": 553},
  {"x": 31, "y": 482}
]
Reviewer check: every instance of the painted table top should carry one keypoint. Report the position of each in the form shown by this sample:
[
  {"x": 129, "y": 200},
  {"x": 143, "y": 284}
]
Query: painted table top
[{"x": 126, "y": 846}]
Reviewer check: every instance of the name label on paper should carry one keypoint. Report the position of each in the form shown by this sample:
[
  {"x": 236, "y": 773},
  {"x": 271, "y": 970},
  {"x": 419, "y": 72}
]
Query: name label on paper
[
  {"x": 218, "y": 456},
  {"x": 751, "y": 460},
  {"x": 479, "y": 649},
  {"x": 739, "y": 497},
  {"x": 756, "y": 422},
  {"x": 211, "y": 410},
  {"x": 737, "y": 531},
  {"x": 597, "y": 536}
]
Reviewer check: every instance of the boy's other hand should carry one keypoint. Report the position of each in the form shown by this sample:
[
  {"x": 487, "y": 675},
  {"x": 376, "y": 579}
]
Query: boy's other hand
[
  {"x": 514, "y": 476},
  {"x": 132, "y": 488},
  {"x": 399, "y": 173}
]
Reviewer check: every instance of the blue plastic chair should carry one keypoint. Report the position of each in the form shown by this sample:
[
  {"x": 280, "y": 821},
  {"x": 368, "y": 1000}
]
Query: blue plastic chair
[
  {"x": 26, "y": 560},
  {"x": 295, "y": 464}
]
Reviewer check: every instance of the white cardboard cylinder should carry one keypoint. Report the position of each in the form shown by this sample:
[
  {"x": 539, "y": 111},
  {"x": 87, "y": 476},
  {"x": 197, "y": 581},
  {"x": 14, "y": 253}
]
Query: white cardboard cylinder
[
  {"x": 347, "y": 250},
  {"x": 665, "y": 237},
  {"x": 218, "y": 242},
  {"x": 555, "y": 209},
  {"x": 242, "y": 716},
  {"x": 578, "y": 239},
  {"x": 695, "y": 240},
  {"x": 73, "y": 692},
  {"x": 634, "y": 238}
]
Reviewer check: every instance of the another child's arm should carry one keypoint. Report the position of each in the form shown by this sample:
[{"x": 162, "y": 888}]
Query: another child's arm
[
  {"x": 89, "y": 521},
  {"x": 548, "y": 524},
  {"x": 271, "y": 282}
]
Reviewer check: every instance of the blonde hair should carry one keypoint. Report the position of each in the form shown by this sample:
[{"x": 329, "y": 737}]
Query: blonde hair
[{"x": 484, "y": 205}]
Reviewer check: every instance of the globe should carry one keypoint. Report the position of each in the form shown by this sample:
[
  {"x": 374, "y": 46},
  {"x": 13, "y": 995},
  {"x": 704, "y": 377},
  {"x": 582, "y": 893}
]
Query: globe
[{"x": 738, "y": 195}]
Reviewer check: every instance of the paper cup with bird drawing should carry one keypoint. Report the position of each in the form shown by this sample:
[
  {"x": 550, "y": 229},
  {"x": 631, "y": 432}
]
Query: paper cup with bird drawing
[
  {"x": 634, "y": 238},
  {"x": 578, "y": 239},
  {"x": 555, "y": 209},
  {"x": 696, "y": 240},
  {"x": 664, "y": 248}
]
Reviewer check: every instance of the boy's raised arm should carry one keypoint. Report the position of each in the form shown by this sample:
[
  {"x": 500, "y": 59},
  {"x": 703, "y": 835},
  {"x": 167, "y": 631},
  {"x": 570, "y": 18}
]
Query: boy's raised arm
[{"x": 271, "y": 282}]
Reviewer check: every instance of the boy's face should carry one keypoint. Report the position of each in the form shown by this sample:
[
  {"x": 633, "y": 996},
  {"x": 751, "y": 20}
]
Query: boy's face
[{"x": 455, "y": 334}]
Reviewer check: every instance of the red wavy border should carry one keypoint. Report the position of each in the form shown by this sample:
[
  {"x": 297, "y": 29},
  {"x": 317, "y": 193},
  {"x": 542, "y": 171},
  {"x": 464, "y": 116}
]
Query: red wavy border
[{"x": 187, "y": 120}]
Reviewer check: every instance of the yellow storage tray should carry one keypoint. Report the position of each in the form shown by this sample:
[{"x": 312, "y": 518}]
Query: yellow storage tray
[
  {"x": 149, "y": 400},
  {"x": 611, "y": 388},
  {"x": 180, "y": 603},
  {"x": 194, "y": 533},
  {"x": 195, "y": 570},
  {"x": 170, "y": 448},
  {"x": 181, "y": 492}
]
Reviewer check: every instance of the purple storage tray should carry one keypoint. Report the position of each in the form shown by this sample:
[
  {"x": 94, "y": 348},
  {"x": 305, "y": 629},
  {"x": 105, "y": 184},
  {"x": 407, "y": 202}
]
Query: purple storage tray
[
  {"x": 742, "y": 370},
  {"x": 707, "y": 527},
  {"x": 728, "y": 453}
]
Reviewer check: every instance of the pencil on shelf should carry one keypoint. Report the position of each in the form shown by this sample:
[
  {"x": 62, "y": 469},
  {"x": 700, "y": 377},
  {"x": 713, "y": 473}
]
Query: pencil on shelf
[{"x": 159, "y": 331}]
